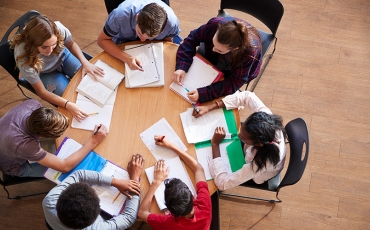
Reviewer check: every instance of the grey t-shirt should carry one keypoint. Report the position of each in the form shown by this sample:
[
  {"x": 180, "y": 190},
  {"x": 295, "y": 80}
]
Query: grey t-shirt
[
  {"x": 17, "y": 143},
  {"x": 122, "y": 221},
  {"x": 49, "y": 63}
]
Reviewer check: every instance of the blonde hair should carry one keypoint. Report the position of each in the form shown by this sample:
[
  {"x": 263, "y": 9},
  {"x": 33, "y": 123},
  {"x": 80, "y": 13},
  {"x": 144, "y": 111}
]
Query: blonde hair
[{"x": 36, "y": 32}]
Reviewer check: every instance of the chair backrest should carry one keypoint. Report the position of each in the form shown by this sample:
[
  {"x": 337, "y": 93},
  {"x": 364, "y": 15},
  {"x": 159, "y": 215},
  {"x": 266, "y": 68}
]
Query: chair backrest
[
  {"x": 110, "y": 5},
  {"x": 299, "y": 144},
  {"x": 269, "y": 12}
]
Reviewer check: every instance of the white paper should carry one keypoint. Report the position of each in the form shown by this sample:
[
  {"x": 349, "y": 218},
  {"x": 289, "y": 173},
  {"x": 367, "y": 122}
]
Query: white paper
[
  {"x": 104, "y": 115},
  {"x": 204, "y": 156},
  {"x": 177, "y": 170},
  {"x": 202, "y": 128},
  {"x": 162, "y": 127},
  {"x": 112, "y": 77}
]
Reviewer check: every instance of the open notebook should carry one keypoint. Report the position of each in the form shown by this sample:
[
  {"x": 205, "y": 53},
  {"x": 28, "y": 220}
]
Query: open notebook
[
  {"x": 177, "y": 170},
  {"x": 94, "y": 162},
  {"x": 200, "y": 74}
]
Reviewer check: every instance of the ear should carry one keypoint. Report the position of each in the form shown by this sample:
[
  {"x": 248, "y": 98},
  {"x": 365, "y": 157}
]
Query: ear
[{"x": 137, "y": 16}]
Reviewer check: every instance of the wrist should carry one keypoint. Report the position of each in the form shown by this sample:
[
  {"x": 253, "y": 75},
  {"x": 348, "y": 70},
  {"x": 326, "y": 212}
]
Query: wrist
[{"x": 65, "y": 104}]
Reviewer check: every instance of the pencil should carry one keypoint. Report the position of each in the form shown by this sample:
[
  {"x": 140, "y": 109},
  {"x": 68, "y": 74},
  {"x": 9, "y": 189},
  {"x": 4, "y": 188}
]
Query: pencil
[
  {"x": 115, "y": 198},
  {"x": 93, "y": 113}
]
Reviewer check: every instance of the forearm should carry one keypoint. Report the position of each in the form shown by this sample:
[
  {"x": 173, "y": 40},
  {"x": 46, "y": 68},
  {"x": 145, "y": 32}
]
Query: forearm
[
  {"x": 190, "y": 161},
  {"x": 77, "y": 52},
  {"x": 216, "y": 150},
  {"x": 52, "y": 98},
  {"x": 145, "y": 204},
  {"x": 111, "y": 48},
  {"x": 74, "y": 159}
]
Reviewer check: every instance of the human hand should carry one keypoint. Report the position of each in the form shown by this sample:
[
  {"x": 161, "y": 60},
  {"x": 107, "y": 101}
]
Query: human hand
[
  {"x": 160, "y": 172},
  {"x": 93, "y": 70},
  {"x": 99, "y": 133},
  {"x": 202, "y": 110},
  {"x": 162, "y": 141},
  {"x": 178, "y": 76},
  {"x": 134, "y": 64},
  {"x": 218, "y": 136},
  {"x": 135, "y": 166},
  {"x": 76, "y": 111},
  {"x": 193, "y": 96},
  {"x": 126, "y": 186}
]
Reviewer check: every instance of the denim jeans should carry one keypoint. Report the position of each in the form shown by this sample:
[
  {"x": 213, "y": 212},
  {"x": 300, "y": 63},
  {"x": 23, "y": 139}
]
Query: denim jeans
[
  {"x": 32, "y": 170},
  {"x": 56, "y": 81}
]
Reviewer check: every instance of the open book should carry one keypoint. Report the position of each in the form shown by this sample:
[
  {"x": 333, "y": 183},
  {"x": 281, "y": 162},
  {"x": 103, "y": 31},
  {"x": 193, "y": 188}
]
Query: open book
[
  {"x": 147, "y": 55},
  {"x": 99, "y": 91},
  {"x": 93, "y": 161},
  {"x": 200, "y": 74},
  {"x": 177, "y": 170}
]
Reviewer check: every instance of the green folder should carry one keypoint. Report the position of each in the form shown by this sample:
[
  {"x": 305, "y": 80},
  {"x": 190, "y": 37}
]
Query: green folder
[{"x": 236, "y": 155}]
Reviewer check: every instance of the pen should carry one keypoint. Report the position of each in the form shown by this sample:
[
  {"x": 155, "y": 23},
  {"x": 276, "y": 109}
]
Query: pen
[
  {"x": 185, "y": 88},
  {"x": 115, "y": 198},
  {"x": 97, "y": 130},
  {"x": 93, "y": 113},
  {"x": 195, "y": 107},
  {"x": 161, "y": 138}
]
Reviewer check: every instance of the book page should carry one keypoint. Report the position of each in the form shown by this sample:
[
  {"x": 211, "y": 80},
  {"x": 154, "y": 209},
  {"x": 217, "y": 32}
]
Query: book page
[
  {"x": 200, "y": 74},
  {"x": 107, "y": 195},
  {"x": 177, "y": 170},
  {"x": 94, "y": 90},
  {"x": 100, "y": 115},
  {"x": 202, "y": 128},
  {"x": 146, "y": 56},
  {"x": 162, "y": 127},
  {"x": 204, "y": 156},
  {"x": 112, "y": 77}
]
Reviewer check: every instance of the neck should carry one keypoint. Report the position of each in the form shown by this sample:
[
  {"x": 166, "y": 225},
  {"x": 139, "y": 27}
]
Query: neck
[{"x": 190, "y": 215}]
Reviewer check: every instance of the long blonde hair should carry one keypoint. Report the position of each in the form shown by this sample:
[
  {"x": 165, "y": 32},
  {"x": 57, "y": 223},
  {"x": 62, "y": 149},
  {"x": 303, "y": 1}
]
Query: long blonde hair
[{"x": 37, "y": 31}]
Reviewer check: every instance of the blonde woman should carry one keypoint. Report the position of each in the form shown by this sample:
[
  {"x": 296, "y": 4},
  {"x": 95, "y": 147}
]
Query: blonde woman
[{"x": 48, "y": 58}]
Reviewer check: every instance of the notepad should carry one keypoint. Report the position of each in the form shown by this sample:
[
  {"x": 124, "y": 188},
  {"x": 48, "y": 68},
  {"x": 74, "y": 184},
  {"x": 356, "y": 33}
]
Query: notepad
[
  {"x": 158, "y": 57},
  {"x": 151, "y": 73},
  {"x": 177, "y": 170},
  {"x": 94, "y": 162},
  {"x": 162, "y": 127},
  {"x": 200, "y": 74},
  {"x": 99, "y": 91},
  {"x": 102, "y": 115}
]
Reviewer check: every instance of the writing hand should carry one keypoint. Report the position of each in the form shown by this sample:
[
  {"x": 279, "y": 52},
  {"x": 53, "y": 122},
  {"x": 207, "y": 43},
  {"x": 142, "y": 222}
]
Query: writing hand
[
  {"x": 76, "y": 111},
  {"x": 193, "y": 96},
  {"x": 99, "y": 136},
  {"x": 135, "y": 166},
  {"x": 134, "y": 64},
  {"x": 161, "y": 141},
  {"x": 160, "y": 172},
  {"x": 202, "y": 110},
  {"x": 178, "y": 76},
  {"x": 218, "y": 136}
]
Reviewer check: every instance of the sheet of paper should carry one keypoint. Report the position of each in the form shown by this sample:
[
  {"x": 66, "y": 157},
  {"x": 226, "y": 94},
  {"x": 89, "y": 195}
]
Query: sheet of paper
[
  {"x": 177, "y": 170},
  {"x": 103, "y": 116},
  {"x": 108, "y": 194},
  {"x": 204, "y": 156},
  {"x": 112, "y": 77},
  {"x": 162, "y": 127},
  {"x": 148, "y": 63},
  {"x": 202, "y": 128}
]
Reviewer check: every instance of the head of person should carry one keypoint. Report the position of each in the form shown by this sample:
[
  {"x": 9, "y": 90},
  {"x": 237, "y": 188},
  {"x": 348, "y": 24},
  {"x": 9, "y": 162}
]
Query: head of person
[
  {"x": 150, "y": 21},
  {"x": 48, "y": 123},
  {"x": 259, "y": 130},
  {"x": 233, "y": 37},
  {"x": 40, "y": 36},
  {"x": 78, "y": 206},
  {"x": 178, "y": 197}
]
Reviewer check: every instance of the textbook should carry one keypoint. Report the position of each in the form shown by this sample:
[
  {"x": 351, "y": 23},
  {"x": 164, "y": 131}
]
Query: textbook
[
  {"x": 151, "y": 57},
  {"x": 177, "y": 170},
  {"x": 200, "y": 74},
  {"x": 93, "y": 161},
  {"x": 99, "y": 91}
]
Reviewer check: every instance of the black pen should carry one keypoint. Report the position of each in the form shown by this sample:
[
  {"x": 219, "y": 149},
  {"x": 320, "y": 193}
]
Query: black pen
[
  {"x": 195, "y": 107},
  {"x": 97, "y": 130}
]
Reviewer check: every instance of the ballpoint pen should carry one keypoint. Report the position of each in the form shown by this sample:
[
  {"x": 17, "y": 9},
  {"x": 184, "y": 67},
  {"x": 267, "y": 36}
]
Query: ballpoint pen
[
  {"x": 193, "y": 104},
  {"x": 97, "y": 130}
]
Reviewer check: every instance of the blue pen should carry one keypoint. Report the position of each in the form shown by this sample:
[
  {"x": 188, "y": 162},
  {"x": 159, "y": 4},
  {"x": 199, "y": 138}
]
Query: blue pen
[
  {"x": 195, "y": 107},
  {"x": 185, "y": 88}
]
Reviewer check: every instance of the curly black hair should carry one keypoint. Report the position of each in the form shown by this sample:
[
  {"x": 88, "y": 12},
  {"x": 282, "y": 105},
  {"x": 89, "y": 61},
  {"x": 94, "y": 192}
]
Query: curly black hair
[
  {"x": 78, "y": 206},
  {"x": 178, "y": 197}
]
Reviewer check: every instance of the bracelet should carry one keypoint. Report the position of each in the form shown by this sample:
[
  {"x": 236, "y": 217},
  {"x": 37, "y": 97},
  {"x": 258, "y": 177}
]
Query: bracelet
[
  {"x": 65, "y": 105},
  {"x": 218, "y": 105}
]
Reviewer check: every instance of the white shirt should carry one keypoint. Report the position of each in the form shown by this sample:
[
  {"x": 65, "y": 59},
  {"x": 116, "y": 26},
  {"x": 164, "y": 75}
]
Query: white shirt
[{"x": 222, "y": 179}]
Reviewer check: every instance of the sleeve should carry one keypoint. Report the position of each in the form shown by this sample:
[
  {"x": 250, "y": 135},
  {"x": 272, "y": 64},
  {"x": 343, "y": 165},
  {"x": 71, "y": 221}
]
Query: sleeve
[
  {"x": 223, "y": 180},
  {"x": 187, "y": 50},
  {"x": 65, "y": 32},
  {"x": 31, "y": 150},
  {"x": 112, "y": 25},
  {"x": 157, "y": 221},
  {"x": 203, "y": 200},
  {"x": 245, "y": 98},
  {"x": 27, "y": 72}
]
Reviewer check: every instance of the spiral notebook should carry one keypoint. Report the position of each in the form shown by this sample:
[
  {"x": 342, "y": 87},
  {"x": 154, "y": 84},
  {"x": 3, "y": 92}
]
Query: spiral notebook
[{"x": 200, "y": 74}]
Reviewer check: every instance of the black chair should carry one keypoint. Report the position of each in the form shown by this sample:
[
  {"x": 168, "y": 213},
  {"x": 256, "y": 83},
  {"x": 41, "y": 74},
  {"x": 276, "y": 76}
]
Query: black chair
[
  {"x": 298, "y": 137},
  {"x": 215, "y": 224},
  {"x": 110, "y": 5},
  {"x": 7, "y": 60},
  {"x": 269, "y": 12}
]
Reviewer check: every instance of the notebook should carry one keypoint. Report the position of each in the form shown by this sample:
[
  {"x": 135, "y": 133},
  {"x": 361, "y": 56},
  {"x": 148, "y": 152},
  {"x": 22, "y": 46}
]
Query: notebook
[
  {"x": 98, "y": 91},
  {"x": 151, "y": 57},
  {"x": 200, "y": 74},
  {"x": 177, "y": 170},
  {"x": 94, "y": 162}
]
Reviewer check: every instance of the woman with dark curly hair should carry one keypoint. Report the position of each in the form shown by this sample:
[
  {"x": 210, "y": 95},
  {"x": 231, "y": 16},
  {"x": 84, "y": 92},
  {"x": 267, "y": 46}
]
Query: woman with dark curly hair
[{"x": 263, "y": 136}]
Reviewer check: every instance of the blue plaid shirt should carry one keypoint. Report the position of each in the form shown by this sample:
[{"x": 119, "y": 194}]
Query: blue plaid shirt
[{"x": 233, "y": 78}]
